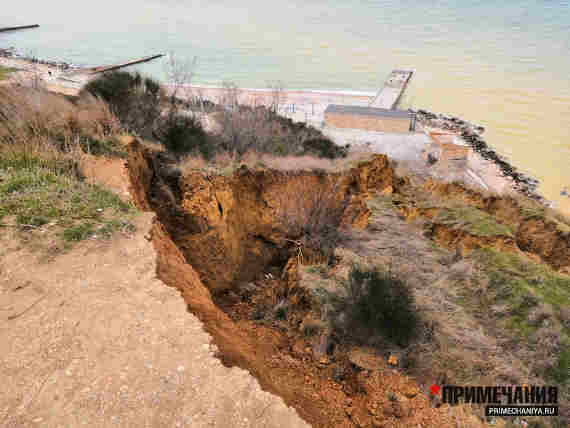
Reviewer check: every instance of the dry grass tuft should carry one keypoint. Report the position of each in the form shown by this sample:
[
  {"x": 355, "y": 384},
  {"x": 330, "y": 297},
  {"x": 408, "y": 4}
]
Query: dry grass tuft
[
  {"x": 34, "y": 121},
  {"x": 311, "y": 215},
  {"x": 43, "y": 143},
  {"x": 226, "y": 162}
]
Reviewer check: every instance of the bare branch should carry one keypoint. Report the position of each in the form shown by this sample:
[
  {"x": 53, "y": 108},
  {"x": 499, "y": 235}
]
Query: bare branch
[
  {"x": 180, "y": 74},
  {"x": 278, "y": 95}
]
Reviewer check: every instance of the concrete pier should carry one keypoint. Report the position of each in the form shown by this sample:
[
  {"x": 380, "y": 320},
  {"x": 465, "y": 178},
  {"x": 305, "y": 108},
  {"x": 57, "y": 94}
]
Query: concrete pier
[
  {"x": 103, "y": 69},
  {"x": 21, "y": 27},
  {"x": 395, "y": 85}
]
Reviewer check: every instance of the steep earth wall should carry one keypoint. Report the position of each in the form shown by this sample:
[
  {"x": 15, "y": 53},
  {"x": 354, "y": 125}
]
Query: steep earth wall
[{"x": 230, "y": 228}]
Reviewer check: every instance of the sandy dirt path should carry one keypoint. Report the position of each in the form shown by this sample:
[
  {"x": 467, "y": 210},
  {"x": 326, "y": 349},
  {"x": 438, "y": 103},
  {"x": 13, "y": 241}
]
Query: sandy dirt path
[{"x": 95, "y": 339}]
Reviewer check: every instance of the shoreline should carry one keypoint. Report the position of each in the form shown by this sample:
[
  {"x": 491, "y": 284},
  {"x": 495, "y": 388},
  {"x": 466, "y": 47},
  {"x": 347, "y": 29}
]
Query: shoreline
[
  {"x": 471, "y": 134},
  {"x": 299, "y": 105},
  {"x": 338, "y": 92},
  {"x": 296, "y": 99},
  {"x": 12, "y": 53}
]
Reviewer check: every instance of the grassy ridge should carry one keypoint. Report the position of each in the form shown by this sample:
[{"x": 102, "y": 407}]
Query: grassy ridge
[
  {"x": 487, "y": 316},
  {"x": 534, "y": 307},
  {"x": 473, "y": 221},
  {"x": 36, "y": 196},
  {"x": 44, "y": 196}
]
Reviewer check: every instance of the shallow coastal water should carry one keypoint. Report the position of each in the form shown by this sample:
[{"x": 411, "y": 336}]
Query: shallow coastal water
[{"x": 505, "y": 66}]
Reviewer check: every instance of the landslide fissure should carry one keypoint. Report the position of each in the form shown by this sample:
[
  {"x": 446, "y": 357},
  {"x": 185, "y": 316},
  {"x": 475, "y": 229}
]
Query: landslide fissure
[
  {"x": 230, "y": 228},
  {"x": 215, "y": 234}
]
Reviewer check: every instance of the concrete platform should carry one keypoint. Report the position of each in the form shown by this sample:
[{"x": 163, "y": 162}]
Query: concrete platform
[{"x": 395, "y": 85}]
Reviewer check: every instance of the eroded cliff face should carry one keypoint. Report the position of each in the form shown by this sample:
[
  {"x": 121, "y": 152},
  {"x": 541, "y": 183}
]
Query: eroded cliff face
[
  {"x": 210, "y": 231},
  {"x": 544, "y": 238},
  {"x": 230, "y": 228},
  {"x": 213, "y": 233},
  {"x": 535, "y": 234}
]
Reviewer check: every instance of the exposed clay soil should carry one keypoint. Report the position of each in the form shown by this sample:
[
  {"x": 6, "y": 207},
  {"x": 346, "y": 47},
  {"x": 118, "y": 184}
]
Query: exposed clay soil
[
  {"x": 331, "y": 383},
  {"x": 216, "y": 237}
]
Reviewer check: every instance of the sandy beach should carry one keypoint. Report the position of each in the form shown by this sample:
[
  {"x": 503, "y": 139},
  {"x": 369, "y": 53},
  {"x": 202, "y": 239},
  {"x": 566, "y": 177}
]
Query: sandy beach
[
  {"x": 299, "y": 105},
  {"x": 53, "y": 77}
]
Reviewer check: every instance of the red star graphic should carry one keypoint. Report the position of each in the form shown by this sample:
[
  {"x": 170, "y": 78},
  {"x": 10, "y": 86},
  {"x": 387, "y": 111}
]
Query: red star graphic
[{"x": 434, "y": 389}]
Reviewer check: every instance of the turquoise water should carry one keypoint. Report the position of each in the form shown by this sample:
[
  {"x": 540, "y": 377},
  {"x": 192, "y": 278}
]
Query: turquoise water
[{"x": 506, "y": 66}]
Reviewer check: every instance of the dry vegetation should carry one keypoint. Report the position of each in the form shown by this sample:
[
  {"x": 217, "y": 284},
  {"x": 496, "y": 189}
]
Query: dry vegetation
[
  {"x": 311, "y": 218},
  {"x": 44, "y": 139},
  {"x": 487, "y": 318},
  {"x": 226, "y": 163},
  {"x": 147, "y": 110}
]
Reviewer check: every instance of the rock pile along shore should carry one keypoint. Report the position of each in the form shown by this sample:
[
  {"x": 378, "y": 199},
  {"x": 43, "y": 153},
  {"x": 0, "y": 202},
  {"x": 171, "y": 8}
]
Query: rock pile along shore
[{"x": 471, "y": 134}]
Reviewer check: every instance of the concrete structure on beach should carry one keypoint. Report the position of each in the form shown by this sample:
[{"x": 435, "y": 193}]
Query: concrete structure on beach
[
  {"x": 389, "y": 96},
  {"x": 449, "y": 146},
  {"x": 380, "y": 127},
  {"x": 20, "y": 27},
  {"x": 369, "y": 118},
  {"x": 380, "y": 115}
]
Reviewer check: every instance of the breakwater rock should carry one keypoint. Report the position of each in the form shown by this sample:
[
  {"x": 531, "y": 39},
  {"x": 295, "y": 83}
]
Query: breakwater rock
[
  {"x": 471, "y": 134},
  {"x": 448, "y": 123}
]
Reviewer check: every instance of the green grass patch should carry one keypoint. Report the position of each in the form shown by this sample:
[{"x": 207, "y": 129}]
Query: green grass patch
[
  {"x": 533, "y": 210},
  {"x": 525, "y": 304},
  {"x": 529, "y": 211},
  {"x": 107, "y": 229},
  {"x": 472, "y": 220},
  {"x": 281, "y": 312},
  {"x": 560, "y": 373},
  {"x": 321, "y": 270},
  {"x": 39, "y": 195},
  {"x": 522, "y": 288},
  {"x": 382, "y": 303},
  {"x": 109, "y": 147},
  {"x": 5, "y": 71},
  {"x": 513, "y": 275},
  {"x": 33, "y": 220},
  {"x": 23, "y": 161},
  {"x": 78, "y": 232}
]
